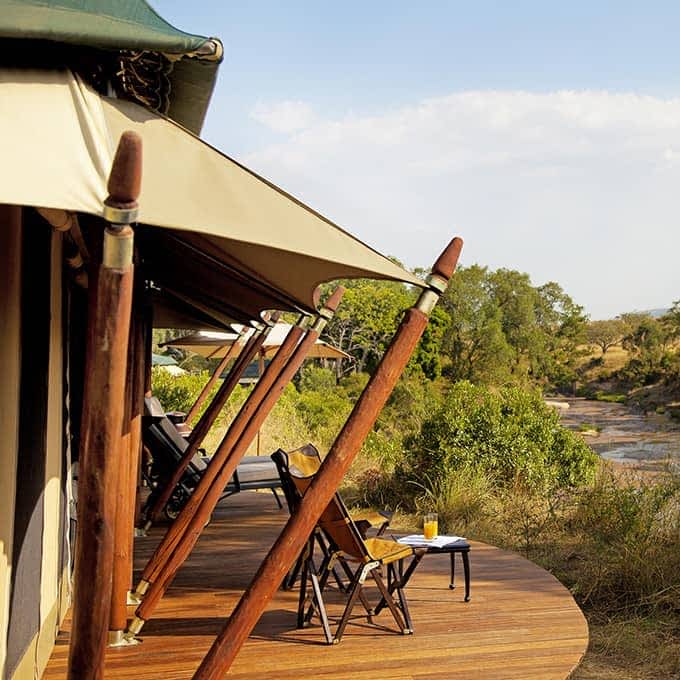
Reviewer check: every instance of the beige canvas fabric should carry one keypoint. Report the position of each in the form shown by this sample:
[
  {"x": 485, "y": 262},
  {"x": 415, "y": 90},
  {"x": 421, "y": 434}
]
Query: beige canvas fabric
[
  {"x": 216, "y": 344},
  {"x": 58, "y": 137}
]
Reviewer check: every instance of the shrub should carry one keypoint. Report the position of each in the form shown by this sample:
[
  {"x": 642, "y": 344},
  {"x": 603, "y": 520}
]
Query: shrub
[
  {"x": 353, "y": 385},
  {"x": 464, "y": 500},
  {"x": 412, "y": 401},
  {"x": 371, "y": 487},
  {"x": 510, "y": 435},
  {"x": 313, "y": 378},
  {"x": 322, "y": 413},
  {"x": 609, "y": 398},
  {"x": 178, "y": 392},
  {"x": 628, "y": 528}
]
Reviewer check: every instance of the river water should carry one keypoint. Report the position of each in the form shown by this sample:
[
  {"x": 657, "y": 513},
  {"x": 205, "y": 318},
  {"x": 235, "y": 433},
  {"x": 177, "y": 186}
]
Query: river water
[{"x": 621, "y": 434}]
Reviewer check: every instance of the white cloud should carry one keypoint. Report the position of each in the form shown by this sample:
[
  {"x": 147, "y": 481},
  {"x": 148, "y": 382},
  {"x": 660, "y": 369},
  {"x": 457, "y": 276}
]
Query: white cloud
[
  {"x": 285, "y": 116},
  {"x": 577, "y": 187}
]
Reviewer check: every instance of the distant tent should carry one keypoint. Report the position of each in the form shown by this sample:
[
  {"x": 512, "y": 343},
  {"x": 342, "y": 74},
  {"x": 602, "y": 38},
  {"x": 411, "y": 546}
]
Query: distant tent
[
  {"x": 167, "y": 363},
  {"x": 214, "y": 345},
  {"x": 162, "y": 360}
]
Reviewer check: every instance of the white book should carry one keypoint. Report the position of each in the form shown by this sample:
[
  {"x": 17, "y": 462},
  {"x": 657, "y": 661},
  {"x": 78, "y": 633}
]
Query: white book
[{"x": 419, "y": 541}]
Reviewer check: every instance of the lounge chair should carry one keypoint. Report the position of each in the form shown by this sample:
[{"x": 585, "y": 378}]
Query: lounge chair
[
  {"x": 166, "y": 448},
  {"x": 362, "y": 556}
]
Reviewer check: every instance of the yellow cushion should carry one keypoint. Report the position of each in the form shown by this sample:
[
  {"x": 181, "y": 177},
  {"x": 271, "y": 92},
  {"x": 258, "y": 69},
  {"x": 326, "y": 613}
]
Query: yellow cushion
[
  {"x": 386, "y": 551},
  {"x": 375, "y": 519},
  {"x": 303, "y": 466}
]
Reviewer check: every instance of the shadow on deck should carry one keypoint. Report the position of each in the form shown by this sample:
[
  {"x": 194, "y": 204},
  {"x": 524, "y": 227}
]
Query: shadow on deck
[{"x": 520, "y": 623}]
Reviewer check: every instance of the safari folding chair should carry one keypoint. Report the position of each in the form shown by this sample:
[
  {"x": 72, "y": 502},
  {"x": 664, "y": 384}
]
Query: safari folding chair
[
  {"x": 364, "y": 557},
  {"x": 307, "y": 460}
]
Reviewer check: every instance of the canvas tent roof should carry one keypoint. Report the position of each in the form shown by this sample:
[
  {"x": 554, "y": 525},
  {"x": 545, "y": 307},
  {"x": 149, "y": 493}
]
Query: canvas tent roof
[
  {"x": 136, "y": 48},
  {"x": 215, "y": 345},
  {"x": 232, "y": 243},
  {"x": 170, "y": 311}
]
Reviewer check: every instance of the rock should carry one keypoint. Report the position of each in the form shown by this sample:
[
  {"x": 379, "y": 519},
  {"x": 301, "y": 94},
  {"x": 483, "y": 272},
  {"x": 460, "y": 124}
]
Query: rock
[{"x": 559, "y": 405}]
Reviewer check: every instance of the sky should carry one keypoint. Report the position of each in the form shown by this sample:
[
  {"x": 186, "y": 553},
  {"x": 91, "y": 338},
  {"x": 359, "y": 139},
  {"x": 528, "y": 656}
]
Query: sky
[{"x": 546, "y": 134}]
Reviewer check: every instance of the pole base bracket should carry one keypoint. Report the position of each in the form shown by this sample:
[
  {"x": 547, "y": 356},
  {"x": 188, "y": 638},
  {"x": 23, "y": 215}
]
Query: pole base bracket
[
  {"x": 118, "y": 638},
  {"x": 133, "y": 598}
]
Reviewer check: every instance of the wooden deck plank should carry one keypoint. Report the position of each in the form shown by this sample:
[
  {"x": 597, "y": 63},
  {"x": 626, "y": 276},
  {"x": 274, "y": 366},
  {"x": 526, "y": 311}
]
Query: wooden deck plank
[{"x": 521, "y": 622}]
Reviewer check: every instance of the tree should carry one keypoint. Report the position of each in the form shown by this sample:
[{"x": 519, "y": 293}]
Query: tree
[
  {"x": 562, "y": 324},
  {"x": 648, "y": 345},
  {"x": 367, "y": 319},
  {"x": 650, "y": 335},
  {"x": 517, "y": 300},
  {"x": 474, "y": 341},
  {"x": 631, "y": 320},
  {"x": 606, "y": 333},
  {"x": 504, "y": 330},
  {"x": 671, "y": 321},
  {"x": 428, "y": 352}
]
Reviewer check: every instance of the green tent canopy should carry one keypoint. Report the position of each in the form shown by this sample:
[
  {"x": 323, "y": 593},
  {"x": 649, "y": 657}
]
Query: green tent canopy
[
  {"x": 162, "y": 360},
  {"x": 119, "y": 43}
]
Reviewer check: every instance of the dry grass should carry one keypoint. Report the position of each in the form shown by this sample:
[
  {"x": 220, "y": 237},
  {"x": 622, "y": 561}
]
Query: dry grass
[
  {"x": 615, "y": 544},
  {"x": 613, "y": 360},
  {"x": 632, "y": 648}
]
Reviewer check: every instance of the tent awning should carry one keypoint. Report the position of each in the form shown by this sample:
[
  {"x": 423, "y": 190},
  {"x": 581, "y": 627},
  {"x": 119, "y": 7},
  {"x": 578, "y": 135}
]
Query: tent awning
[{"x": 230, "y": 241}]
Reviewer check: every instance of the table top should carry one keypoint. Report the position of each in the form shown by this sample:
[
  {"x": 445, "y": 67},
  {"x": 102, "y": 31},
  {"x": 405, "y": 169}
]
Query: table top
[{"x": 436, "y": 545}]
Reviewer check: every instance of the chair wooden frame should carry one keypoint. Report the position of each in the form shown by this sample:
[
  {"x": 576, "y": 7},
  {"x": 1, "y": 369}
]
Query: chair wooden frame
[
  {"x": 344, "y": 543},
  {"x": 310, "y": 458}
]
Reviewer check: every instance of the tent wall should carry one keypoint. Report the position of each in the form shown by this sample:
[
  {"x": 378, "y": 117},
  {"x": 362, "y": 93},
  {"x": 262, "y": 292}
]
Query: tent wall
[
  {"x": 10, "y": 353},
  {"x": 34, "y": 570}
]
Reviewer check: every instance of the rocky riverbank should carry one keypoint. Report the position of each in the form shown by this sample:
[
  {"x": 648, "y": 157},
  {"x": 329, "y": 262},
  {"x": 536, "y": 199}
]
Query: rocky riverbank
[{"x": 619, "y": 433}]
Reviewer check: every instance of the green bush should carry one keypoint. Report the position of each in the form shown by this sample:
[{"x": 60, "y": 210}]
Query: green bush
[
  {"x": 323, "y": 413},
  {"x": 412, "y": 401},
  {"x": 463, "y": 500},
  {"x": 178, "y": 392},
  {"x": 511, "y": 435},
  {"x": 609, "y": 398},
  {"x": 353, "y": 385},
  {"x": 314, "y": 378}
]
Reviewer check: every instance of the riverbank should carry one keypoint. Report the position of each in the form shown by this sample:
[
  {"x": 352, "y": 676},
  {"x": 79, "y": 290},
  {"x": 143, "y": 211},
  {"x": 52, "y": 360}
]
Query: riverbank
[
  {"x": 623, "y": 435},
  {"x": 629, "y": 541}
]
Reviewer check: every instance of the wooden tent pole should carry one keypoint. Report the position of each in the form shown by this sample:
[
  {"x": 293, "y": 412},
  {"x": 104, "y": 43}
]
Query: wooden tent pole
[
  {"x": 107, "y": 341},
  {"x": 123, "y": 527},
  {"x": 277, "y": 375},
  {"x": 145, "y": 353},
  {"x": 248, "y": 353},
  {"x": 209, "y": 416},
  {"x": 148, "y": 349},
  {"x": 260, "y": 371},
  {"x": 128, "y": 474},
  {"x": 229, "y": 355},
  {"x": 287, "y": 547},
  {"x": 138, "y": 352}
]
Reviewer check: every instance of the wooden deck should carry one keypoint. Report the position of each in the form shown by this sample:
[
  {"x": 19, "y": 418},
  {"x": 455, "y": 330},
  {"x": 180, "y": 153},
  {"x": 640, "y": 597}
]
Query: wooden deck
[{"x": 520, "y": 623}]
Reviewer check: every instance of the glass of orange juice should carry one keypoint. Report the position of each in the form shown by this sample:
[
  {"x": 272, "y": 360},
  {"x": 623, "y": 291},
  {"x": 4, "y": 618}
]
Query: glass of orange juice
[{"x": 430, "y": 526}]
